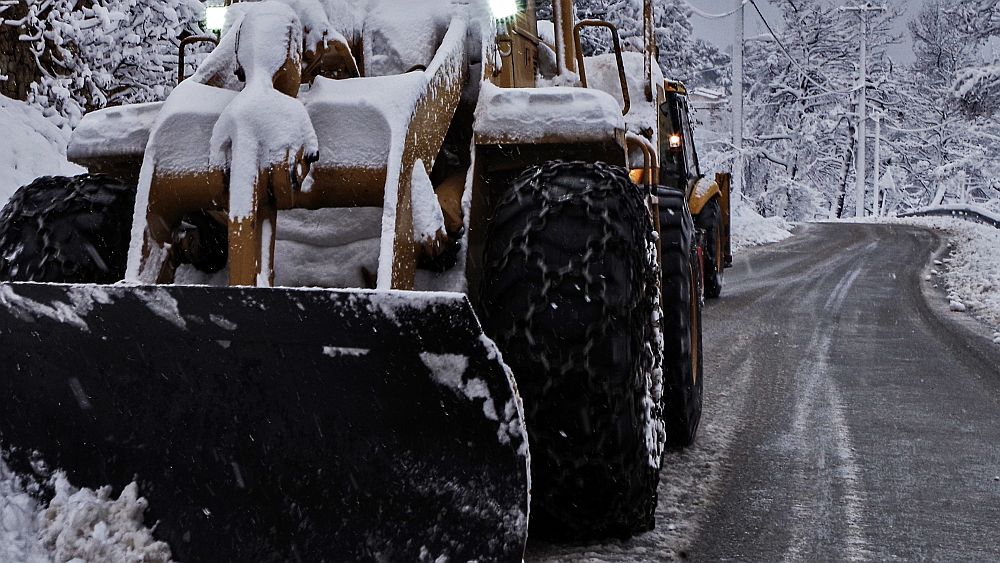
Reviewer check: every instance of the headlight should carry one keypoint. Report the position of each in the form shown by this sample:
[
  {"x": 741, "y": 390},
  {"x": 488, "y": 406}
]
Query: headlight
[
  {"x": 504, "y": 9},
  {"x": 675, "y": 141},
  {"x": 215, "y": 18}
]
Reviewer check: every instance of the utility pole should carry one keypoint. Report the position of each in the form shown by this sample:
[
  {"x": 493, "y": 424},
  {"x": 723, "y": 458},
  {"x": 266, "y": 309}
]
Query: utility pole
[
  {"x": 737, "y": 103},
  {"x": 863, "y": 102},
  {"x": 877, "y": 208}
]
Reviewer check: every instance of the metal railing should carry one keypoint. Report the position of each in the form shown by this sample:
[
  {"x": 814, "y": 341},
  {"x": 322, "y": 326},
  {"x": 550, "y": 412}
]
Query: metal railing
[{"x": 966, "y": 212}]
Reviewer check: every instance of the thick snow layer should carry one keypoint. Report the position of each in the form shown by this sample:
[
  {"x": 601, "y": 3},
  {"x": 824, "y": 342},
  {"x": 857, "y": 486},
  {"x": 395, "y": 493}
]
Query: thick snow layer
[
  {"x": 602, "y": 74},
  {"x": 180, "y": 142},
  {"x": 428, "y": 219},
  {"x": 30, "y": 147},
  {"x": 184, "y": 125},
  {"x": 114, "y": 131},
  {"x": 347, "y": 16},
  {"x": 327, "y": 248},
  {"x": 19, "y": 514},
  {"x": 316, "y": 24},
  {"x": 77, "y": 526},
  {"x": 262, "y": 127},
  {"x": 749, "y": 229},
  {"x": 355, "y": 128},
  {"x": 971, "y": 272},
  {"x": 402, "y": 34},
  {"x": 524, "y": 115}
]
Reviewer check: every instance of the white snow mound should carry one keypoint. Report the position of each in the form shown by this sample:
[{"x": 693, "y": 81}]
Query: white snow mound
[
  {"x": 30, "y": 147},
  {"x": 749, "y": 229},
  {"x": 78, "y": 526}
]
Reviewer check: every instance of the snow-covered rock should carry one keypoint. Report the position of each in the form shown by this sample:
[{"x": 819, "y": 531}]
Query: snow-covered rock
[{"x": 30, "y": 147}]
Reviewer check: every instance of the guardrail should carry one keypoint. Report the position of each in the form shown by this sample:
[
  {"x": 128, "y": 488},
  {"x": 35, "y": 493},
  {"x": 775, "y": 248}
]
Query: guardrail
[{"x": 967, "y": 212}]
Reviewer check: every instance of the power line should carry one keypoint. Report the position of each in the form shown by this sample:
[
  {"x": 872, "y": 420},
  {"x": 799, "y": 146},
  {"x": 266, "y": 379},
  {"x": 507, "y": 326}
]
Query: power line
[
  {"x": 793, "y": 61},
  {"x": 711, "y": 16}
]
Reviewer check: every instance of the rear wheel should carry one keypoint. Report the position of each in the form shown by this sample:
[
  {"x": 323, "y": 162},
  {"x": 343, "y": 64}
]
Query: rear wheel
[
  {"x": 680, "y": 256},
  {"x": 709, "y": 221},
  {"x": 569, "y": 294},
  {"x": 67, "y": 230}
]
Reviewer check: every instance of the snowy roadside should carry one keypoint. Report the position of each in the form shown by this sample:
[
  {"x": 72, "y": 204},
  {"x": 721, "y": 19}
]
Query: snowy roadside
[
  {"x": 751, "y": 229},
  {"x": 971, "y": 270}
]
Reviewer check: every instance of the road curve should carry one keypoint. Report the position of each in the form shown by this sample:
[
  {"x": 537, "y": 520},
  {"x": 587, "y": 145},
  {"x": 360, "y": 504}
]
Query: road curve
[{"x": 849, "y": 415}]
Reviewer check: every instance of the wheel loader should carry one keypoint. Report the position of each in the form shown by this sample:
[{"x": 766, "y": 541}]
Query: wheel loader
[{"x": 530, "y": 342}]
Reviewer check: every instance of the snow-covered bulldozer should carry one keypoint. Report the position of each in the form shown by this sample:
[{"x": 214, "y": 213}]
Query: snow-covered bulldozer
[{"x": 531, "y": 281}]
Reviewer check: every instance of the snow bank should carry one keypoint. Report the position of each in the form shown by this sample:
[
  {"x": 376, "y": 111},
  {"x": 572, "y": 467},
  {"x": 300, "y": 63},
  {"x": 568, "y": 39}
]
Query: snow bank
[
  {"x": 971, "y": 272},
  {"x": 30, "y": 147},
  {"x": 78, "y": 525},
  {"x": 750, "y": 229}
]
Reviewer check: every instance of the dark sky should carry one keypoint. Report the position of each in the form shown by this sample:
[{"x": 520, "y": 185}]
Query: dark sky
[{"x": 720, "y": 31}]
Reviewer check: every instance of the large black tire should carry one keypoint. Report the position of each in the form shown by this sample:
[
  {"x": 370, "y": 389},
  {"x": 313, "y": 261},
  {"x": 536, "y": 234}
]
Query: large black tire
[
  {"x": 709, "y": 221},
  {"x": 569, "y": 293},
  {"x": 67, "y": 230},
  {"x": 682, "y": 304}
]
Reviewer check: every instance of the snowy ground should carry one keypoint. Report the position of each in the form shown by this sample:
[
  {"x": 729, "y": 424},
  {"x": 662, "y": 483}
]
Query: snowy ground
[
  {"x": 971, "y": 271},
  {"x": 30, "y": 147}
]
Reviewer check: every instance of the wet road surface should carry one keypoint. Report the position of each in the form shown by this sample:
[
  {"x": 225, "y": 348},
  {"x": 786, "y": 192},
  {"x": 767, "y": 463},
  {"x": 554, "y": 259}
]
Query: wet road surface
[{"x": 849, "y": 415}]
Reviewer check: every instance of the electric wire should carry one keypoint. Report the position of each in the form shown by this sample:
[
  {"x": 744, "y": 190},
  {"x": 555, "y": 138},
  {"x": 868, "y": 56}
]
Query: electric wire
[
  {"x": 794, "y": 62},
  {"x": 711, "y": 16}
]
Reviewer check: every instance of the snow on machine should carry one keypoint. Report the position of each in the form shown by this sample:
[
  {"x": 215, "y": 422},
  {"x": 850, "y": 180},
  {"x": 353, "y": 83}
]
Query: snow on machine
[{"x": 527, "y": 278}]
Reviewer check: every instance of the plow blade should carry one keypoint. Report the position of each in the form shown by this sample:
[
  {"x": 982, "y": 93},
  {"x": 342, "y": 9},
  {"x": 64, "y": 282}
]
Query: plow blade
[{"x": 272, "y": 424}]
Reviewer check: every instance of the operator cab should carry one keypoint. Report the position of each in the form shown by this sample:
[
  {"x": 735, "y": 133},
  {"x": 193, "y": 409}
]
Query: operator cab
[{"x": 679, "y": 160}]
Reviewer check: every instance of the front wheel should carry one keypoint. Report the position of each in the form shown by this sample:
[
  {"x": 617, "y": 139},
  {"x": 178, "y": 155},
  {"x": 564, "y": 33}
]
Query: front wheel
[
  {"x": 681, "y": 258},
  {"x": 569, "y": 294},
  {"x": 709, "y": 221},
  {"x": 67, "y": 230}
]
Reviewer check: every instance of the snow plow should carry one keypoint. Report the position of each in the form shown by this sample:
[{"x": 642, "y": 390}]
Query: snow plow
[{"x": 180, "y": 316}]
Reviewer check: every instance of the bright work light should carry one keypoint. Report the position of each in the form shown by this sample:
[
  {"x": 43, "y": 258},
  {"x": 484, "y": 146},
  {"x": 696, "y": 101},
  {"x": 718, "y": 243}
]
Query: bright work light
[
  {"x": 503, "y": 9},
  {"x": 675, "y": 141},
  {"x": 215, "y": 18}
]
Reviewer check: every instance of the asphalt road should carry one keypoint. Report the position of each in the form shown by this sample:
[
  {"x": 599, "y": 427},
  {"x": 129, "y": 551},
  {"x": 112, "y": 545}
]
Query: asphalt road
[{"x": 849, "y": 415}]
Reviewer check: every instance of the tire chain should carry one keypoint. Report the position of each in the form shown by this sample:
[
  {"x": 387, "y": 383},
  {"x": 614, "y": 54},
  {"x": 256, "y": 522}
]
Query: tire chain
[
  {"x": 60, "y": 210},
  {"x": 640, "y": 308},
  {"x": 596, "y": 246}
]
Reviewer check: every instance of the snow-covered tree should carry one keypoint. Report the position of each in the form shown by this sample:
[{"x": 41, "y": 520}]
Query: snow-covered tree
[
  {"x": 90, "y": 53},
  {"x": 681, "y": 55},
  {"x": 943, "y": 140},
  {"x": 802, "y": 108}
]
